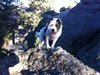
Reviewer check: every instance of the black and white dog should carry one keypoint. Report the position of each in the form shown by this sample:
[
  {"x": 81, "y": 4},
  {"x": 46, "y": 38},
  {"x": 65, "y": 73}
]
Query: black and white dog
[{"x": 50, "y": 33}]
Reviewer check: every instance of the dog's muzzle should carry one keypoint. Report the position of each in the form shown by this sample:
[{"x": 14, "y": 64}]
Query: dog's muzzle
[{"x": 52, "y": 30}]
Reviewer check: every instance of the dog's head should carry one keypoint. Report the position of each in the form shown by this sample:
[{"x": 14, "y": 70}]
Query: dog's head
[{"x": 54, "y": 25}]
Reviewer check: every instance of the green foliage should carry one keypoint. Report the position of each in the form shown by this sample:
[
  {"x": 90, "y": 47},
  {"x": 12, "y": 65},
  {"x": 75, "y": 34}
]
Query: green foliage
[
  {"x": 29, "y": 18},
  {"x": 3, "y": 52},
  {"x": 11, "y": 16},
  {"x": 36, "y": 41},
  {"x": 32, "y": 15},
  {"x": 7, "y": 37},
  {"x": 8, "y": 19}
]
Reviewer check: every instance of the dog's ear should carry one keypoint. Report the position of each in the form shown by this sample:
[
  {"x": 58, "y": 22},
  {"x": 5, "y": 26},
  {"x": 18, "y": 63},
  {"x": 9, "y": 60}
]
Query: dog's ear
[
  {"x": 59, "y": 21},
  {"x": 50, "y": 19}
]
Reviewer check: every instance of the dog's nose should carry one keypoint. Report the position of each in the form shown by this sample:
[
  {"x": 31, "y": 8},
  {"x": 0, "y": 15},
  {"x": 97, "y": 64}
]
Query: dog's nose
[{"x": 52, "y": 30}]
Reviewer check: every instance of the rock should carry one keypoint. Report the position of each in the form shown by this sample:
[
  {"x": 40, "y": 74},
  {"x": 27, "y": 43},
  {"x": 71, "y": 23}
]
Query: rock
[
  {"x": 90, "y": 1},
  {"x": 57, "y": 62},
  {"x": 48, "y": 62},
  {"x": 7, "y": 61},
  {"x": 81, "y": 33}
]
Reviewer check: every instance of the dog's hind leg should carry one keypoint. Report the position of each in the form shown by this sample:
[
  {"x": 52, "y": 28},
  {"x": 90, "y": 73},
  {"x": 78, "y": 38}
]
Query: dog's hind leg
[{"x": 39, "y": 46}]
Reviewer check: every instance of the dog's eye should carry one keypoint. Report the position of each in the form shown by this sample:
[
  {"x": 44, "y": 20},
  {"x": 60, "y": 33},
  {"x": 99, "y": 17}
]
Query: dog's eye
[
  {"x": 57, "y": 25},
  {"x": 51, "y": 24}
]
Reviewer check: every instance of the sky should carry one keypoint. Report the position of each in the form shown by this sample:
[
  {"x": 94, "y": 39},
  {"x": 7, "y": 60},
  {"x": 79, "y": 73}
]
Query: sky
[
  {"x": 24, "y": 2},
  {"x": 56, "y": 4}
]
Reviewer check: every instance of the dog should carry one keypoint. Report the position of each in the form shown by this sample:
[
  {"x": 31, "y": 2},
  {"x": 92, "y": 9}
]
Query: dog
[{"x": 50, "y": 33}]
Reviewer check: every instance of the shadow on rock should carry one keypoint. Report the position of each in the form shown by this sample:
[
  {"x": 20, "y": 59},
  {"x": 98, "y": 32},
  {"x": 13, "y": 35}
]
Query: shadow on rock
[
  {"x": 8, "y": 60},
  {"x": 81, "y": 33}
]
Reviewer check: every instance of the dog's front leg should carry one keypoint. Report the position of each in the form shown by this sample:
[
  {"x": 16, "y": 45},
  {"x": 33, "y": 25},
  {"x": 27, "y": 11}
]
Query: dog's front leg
[
  {"x": 47, "y": 42},
  {"x": 53, "y": 43},
  {"x": 39, "y": 45}
]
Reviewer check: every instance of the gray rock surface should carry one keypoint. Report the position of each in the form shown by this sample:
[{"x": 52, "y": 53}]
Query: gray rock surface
[
  {"x": 58, "y": 62},
  {"x": 90, "y": 1},
  {"x": 81, "y": 32},
  {"x": 7, "y": 61},
  {"x": 47, "y": 62}
]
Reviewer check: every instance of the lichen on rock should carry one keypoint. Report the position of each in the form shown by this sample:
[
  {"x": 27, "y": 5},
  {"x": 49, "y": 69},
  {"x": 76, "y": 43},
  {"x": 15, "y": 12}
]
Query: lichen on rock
[{"x": 48, "y": 62}]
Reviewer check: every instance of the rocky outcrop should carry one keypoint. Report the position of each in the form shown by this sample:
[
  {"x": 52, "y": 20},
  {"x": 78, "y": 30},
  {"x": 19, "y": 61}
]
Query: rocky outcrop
[
  {"x": 8, "y": 60},
  {"x": 81, "y": 37},
  {"x": 90, "y": 1},
  {"x": 81, "y": 32},
  {"x": 44, "y": 62}
]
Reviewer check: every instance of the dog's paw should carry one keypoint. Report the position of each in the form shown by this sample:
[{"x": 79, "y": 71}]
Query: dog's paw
[{"x": 48, "y": 47}]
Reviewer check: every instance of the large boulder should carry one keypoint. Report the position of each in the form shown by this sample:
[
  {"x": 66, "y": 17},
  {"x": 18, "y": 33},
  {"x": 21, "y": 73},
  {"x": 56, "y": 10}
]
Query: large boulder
[
  {"x": 81, "y": 32},
  {"x": 48, "y": 62},
  {"x": 90, "y": 1},
  {"x": 7, "y": 60}
]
